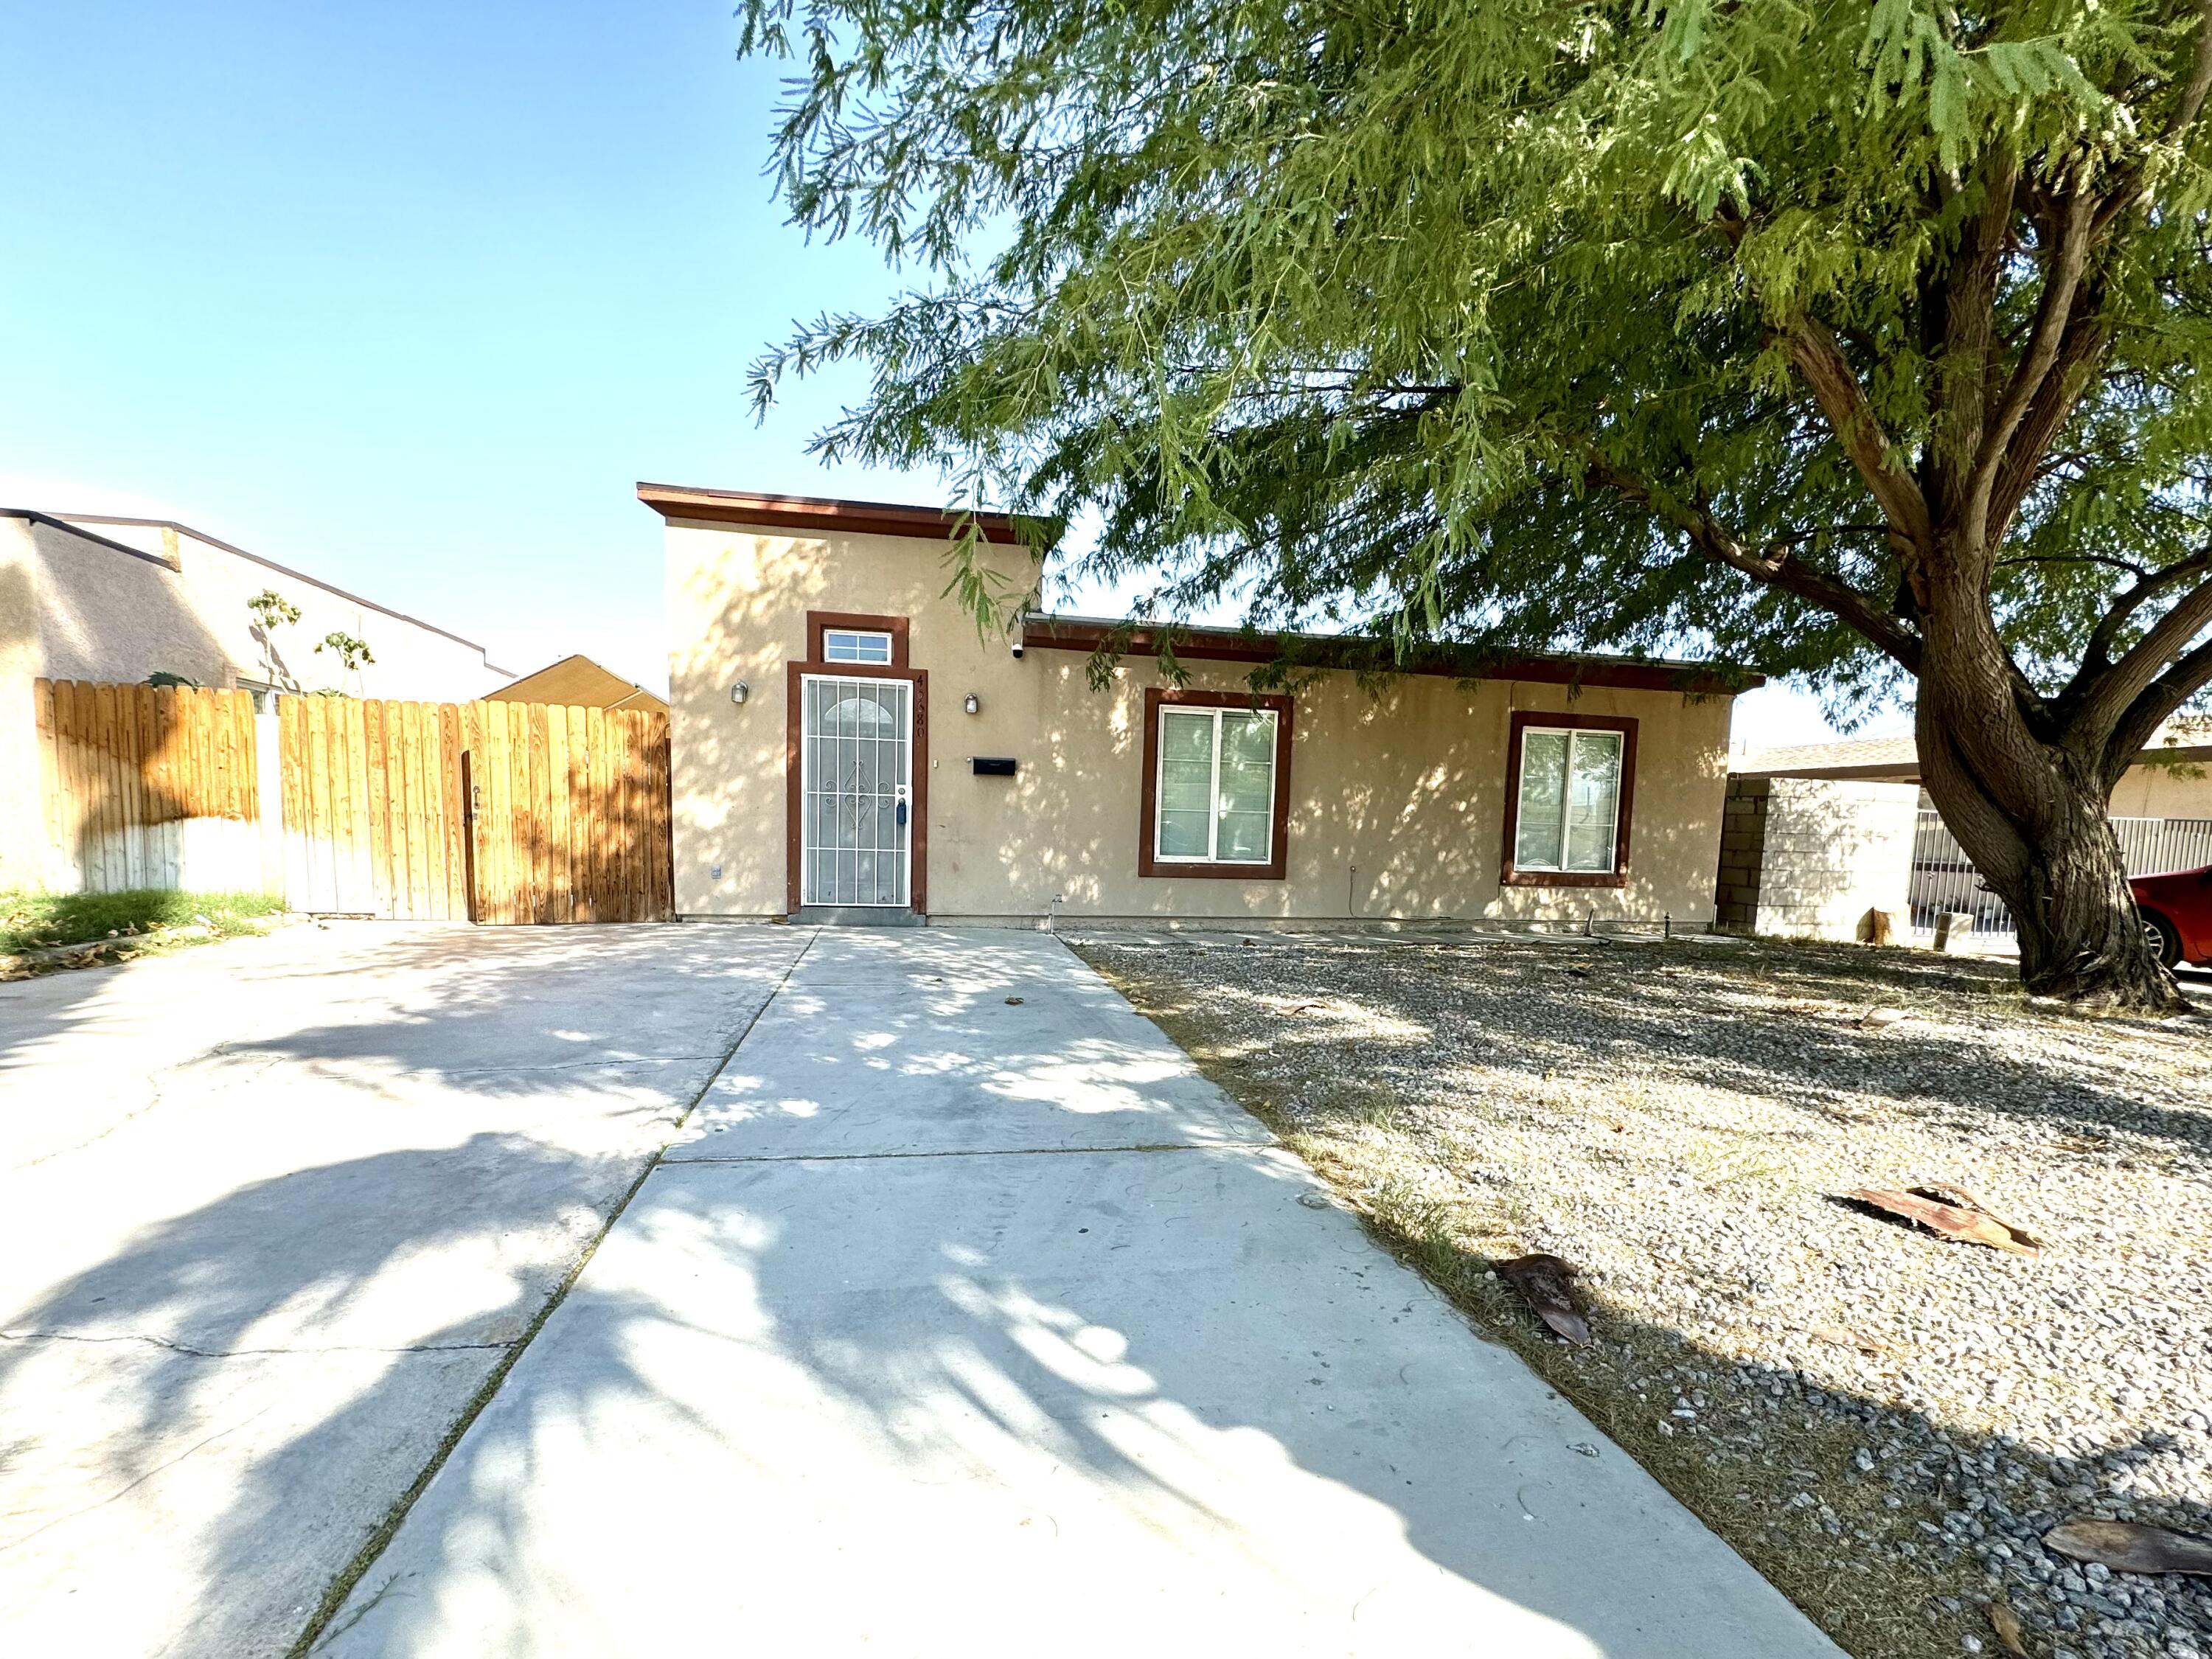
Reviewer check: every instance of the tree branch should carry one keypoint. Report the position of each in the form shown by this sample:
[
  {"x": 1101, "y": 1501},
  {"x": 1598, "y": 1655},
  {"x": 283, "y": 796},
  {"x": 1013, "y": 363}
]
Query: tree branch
[
  {"x": 2200, "y": 80},
  {"x": 2130, "y": 566},
  {"x": 2046, "y": 417},
  {"x": 1962, "y": 306},
  {"x": 2113, "y": 691},
  {"x": 1771, "y": 567},
  {"x": 2189, "y": 674},
  {"x": 2096, "y": 655},
  {"x": 1820, "y": 361},
  {"x": 2055, "y": 318}
]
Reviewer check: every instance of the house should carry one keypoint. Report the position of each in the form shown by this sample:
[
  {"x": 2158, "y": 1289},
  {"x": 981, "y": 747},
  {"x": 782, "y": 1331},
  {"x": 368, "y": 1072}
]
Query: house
[
  {"x": 578, "y": 683},
  {"x": 845, "y": 743},
  {"x": 2172, "y": 777},
  {"x": 93, "y": 597},
  {"x": 1818, "y": 835}
]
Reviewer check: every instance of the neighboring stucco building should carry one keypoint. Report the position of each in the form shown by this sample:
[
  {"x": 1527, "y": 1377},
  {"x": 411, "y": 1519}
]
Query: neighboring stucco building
[
  {"x": 102, "y": 599},
  {"x": 1807, "y": 858},
  {"x": 2172, "y": 777},
  {"x": 844, "y": 739},
  {"x": 1818, "y": 835}
]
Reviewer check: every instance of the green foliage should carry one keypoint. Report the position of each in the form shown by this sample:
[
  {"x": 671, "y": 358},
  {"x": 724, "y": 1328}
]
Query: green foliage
[
  {"x": 1486, "y": 321},
  {"x": 163, "y": 677},
  {"x": 352, "y": 652},
  {"x": 28, "y": 920},
  {"x": 273, "y": 610}
]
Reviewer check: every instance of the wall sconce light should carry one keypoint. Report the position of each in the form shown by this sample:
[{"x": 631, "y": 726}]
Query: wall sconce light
[
  {"x": 739, "y": 692},
  {"x": 972, "y": 703}
]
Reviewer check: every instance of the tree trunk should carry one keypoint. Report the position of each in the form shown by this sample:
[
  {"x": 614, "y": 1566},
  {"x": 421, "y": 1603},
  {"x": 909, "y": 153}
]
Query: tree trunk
[
  {"x": 2032, "y": 811},
  {"x": 2080, "y": 936}
]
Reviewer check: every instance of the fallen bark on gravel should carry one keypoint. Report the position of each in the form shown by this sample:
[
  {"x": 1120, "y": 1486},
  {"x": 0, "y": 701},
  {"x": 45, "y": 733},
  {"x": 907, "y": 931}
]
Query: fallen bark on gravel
[{"x": 2127, "y": 1547}]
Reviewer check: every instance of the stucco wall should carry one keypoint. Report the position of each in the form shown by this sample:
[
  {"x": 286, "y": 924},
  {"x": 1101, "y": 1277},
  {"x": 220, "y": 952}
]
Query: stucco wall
[
  {"x": 1396, "y": 803},
  {"x": 106, "y": 615},
  {"x": 73, "y": 608},
  {"x": 2164, "y": 791},
  {"x": 22, "y": 826},
  {"x": 1833, "y": 850}
]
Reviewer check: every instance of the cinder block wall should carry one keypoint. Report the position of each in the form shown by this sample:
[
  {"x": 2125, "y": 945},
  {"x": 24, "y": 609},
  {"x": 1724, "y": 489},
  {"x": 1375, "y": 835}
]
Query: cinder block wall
[
  {"x": 1828, "y": 851},
  {"x": 1743, "y": 848}
]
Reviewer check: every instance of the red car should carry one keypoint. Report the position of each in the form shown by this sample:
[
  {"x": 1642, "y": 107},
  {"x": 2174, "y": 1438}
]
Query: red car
[{"x": 2177, "y": 914}]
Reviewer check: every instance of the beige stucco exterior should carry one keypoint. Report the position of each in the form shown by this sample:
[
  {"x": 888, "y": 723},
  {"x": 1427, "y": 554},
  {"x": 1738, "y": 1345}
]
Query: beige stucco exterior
[
  {"x": 119, "y": 600},
  {"x": 2165, "y": 788},
  {"x": 1395, "y": 802}
]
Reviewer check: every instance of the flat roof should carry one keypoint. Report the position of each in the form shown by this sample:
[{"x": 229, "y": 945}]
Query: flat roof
[
  {"x": 1048, "y": 631},
  {"x": 819, "y": 513},
  {"x": 1897, "y": 760}
]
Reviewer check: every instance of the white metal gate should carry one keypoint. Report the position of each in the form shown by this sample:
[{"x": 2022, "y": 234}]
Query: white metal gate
[
  {"x": 857, "y": 790},
  {"x": 1944, "y": 878}
]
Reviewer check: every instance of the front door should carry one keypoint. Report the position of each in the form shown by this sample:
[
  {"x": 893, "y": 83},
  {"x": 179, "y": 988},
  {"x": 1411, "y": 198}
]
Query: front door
[{"x": 855, "y": 828}]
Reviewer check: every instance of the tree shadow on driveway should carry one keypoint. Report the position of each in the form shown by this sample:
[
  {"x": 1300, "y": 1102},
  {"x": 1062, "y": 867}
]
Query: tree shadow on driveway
[{"x": 243, "y": 1306}]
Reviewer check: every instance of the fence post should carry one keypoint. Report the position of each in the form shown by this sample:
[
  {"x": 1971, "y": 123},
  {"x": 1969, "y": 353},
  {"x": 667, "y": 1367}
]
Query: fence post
[{"x": 269, "y": 790}]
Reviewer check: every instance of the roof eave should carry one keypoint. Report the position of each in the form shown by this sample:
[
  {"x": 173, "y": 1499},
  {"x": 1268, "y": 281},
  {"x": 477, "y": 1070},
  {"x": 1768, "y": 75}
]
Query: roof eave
[
  {"x": 823, "y": 515},
  {"x": 1048, "y": 633}
]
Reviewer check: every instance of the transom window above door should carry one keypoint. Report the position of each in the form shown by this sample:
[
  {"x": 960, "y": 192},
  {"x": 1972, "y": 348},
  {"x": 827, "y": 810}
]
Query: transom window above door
[
  {"x": 1568, "y": 800},
  {"x": 1215, "y": 786},
  {"x": 855, "y": 644}
]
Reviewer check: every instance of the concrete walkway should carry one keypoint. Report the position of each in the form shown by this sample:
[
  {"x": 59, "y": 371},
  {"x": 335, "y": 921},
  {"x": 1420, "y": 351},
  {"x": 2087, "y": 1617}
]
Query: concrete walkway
[
  {"x": 965, "y": 1319},
  {"x": 271, "y": 1213}
]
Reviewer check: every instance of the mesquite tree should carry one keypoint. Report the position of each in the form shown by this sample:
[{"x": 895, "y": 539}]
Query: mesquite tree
[{"x": 1859, "y": 344}]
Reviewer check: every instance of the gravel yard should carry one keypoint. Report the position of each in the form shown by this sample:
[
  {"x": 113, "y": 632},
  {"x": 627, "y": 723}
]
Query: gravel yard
[{"x": 1885, "y": 1423}]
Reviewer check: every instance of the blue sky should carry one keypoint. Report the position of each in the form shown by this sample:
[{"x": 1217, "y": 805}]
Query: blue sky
[{"x": 410, "y": 296}]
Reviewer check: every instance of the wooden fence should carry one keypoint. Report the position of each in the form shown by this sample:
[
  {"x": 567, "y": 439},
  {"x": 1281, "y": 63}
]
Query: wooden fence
[
  {"x": 490, "y": 811},
  {"x": 494, "y": 812},
  {"x": 373, "y": 820},
  {"x": 149, "y": 787},
  {"x": 571, "y": 813}
]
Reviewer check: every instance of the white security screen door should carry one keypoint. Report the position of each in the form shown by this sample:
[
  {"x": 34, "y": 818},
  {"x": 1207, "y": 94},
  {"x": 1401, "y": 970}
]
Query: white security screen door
[{"x": 857, "y": 780}]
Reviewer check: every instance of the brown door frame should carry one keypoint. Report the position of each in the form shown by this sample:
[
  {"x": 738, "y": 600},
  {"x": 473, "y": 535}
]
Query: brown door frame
[{"x": 794, "y": 781}]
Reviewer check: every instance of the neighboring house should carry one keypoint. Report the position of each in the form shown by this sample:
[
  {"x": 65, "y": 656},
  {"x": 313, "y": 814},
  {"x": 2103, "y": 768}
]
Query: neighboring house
[
  {"x": 92, "y": 598},
  {"x": 2172, "y": 777},
  {"x": 1818, "y": 835},
  {"x": 580, "y": 683},
  {"x": 845, "y": 741}
]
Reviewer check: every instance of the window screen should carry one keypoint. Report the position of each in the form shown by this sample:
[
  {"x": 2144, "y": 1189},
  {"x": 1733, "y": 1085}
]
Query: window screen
[
  {"x": 1216, "y": 786},
  {"x": 1569, "y": 813}
]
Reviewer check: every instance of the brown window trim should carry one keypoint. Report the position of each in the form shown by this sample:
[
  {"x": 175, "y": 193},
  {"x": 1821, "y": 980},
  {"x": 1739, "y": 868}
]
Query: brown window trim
[
  {"x": 819, "y": 622},
  {"x": 1156, "y": 697},
  {"x": 794, "y": 776},
  {"x": 1617, "y": 876}
]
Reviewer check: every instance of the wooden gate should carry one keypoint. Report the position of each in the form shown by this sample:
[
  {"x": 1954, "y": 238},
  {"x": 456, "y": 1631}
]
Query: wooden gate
[
  {"x": 570, "y": 813},
  {"x": 148, "y": 787},
  {"x": 373, "y": 823},
  {"x": 488, "y": 812}
]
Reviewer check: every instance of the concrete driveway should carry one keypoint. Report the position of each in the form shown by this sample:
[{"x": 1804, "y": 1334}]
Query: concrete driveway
[
  {"x": 965, "y": 1319},
  {"x": 272, "y": 1213}
]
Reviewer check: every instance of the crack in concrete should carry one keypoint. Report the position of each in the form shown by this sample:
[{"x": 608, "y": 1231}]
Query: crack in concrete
[
  {"x": 576, "y": 1065},
  {"x": 362, "y": 1611},
  {"x": 155, "y": 1099},
  {"x": 317, "y": 1631},
  {"x": 123, "y": 1491},
  {"x": 192, "y": 1352}
]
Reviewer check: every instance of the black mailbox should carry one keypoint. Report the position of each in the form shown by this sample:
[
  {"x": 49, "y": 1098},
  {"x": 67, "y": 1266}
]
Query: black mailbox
[{"x": 993, "y": 766}]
